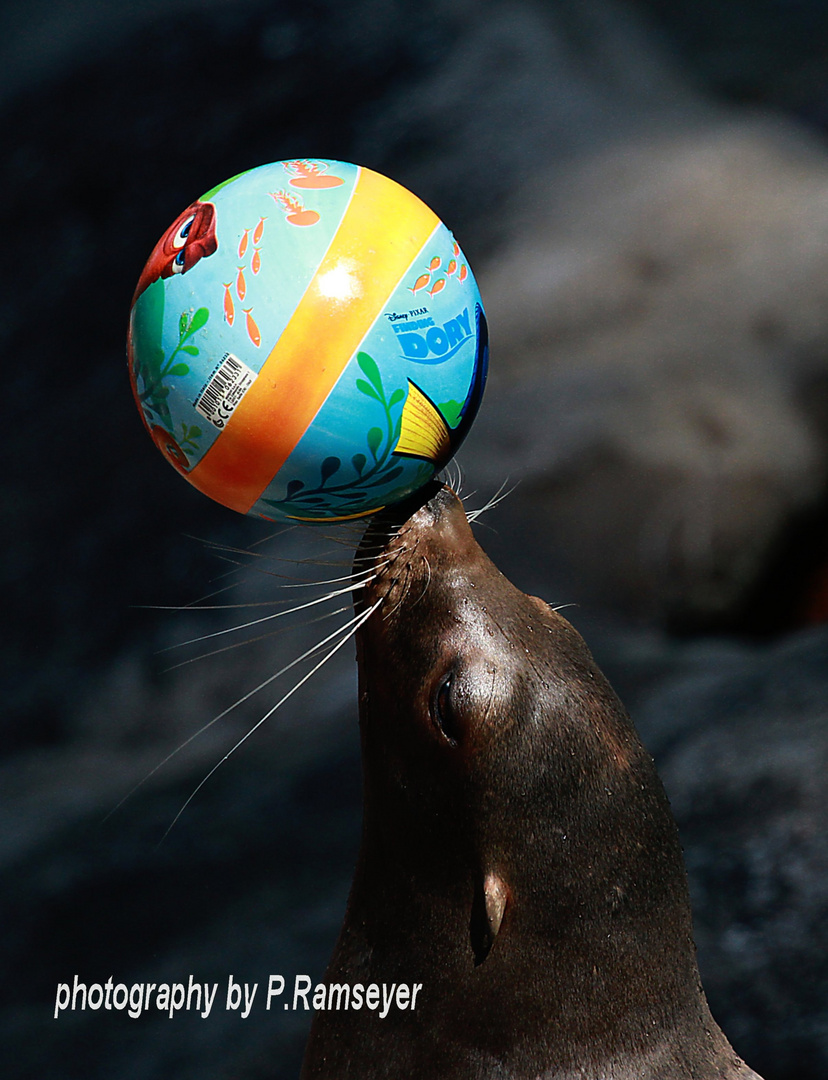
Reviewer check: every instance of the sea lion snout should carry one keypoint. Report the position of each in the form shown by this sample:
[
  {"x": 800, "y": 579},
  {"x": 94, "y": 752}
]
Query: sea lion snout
[{"x": 422, "y": 535}]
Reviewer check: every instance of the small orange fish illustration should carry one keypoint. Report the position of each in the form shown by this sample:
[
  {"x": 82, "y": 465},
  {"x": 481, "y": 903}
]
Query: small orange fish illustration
[
  {"x": 252, "y": 328},
  {"x": 420, "y": 283},
  {"x": 438, "y": 286},
  {"x": 312, "y": 174},
  {"x": 257, "y": 232},
  {"x": 297, "y": 214},
  {"x": 243, "y": 243},
  {"x": 256, "y": 261},
  {"x": 435, "y": 263},
  {"x": 241, "y": 284},
  {"x": 452, "y": 266},
  {"x": 229, "y": 307},
  {"x": 464, "y": 271}
]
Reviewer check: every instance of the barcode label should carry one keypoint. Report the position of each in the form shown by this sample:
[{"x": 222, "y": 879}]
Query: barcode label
[{"x": 227, "y": 386}]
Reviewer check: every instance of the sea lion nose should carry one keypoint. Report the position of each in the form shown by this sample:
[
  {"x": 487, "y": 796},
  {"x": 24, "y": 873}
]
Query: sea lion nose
[
  {"x": 441, "y": 526},
  {"x": 442, "y": 503}
]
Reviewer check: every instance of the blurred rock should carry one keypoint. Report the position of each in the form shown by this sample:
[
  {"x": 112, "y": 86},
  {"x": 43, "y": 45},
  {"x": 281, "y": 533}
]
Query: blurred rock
[
  {"x": 659, "y": 323},
  {"x": 740, "y": 736}
]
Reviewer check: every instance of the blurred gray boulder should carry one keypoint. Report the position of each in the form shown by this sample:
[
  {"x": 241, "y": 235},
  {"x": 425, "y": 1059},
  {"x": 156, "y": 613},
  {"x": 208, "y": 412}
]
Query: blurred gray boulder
[{"x": 660, "y": 338}]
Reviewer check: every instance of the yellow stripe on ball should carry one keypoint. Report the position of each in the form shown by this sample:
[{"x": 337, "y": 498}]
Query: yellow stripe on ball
[{"x": 345, "y": 297}]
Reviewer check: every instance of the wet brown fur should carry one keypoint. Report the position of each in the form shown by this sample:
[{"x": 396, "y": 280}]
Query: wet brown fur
[{"x": 522, "y": 863}]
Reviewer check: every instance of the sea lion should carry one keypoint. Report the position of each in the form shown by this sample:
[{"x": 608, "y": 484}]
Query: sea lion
[{"x": 519, "y": 860}]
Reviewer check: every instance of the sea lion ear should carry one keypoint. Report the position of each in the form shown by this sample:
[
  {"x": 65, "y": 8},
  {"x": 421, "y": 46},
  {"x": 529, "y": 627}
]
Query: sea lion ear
[
  {"x": 550, "y": 611},
  {"x": 487, "y": 915}
]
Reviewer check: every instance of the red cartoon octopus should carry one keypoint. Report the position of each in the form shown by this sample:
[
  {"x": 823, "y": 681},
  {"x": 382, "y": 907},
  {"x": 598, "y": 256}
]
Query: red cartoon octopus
[{"x": 192, "y": 236}]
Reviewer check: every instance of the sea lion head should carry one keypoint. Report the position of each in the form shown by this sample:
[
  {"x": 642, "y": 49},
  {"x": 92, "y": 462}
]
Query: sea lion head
[{"x": 491, "y": 740}]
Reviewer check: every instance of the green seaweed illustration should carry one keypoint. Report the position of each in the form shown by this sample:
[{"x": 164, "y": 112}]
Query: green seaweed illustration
[
  {"x": 370, "y": 470},
  {"x": 190, "y": 434},
  {"x": 154, "y": 368},
  {"x": 451, "y": 411}
]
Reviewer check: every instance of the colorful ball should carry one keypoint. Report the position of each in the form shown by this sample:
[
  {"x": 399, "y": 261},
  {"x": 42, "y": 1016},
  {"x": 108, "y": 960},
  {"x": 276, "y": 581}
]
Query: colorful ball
[{"x": 307, "y": 342}]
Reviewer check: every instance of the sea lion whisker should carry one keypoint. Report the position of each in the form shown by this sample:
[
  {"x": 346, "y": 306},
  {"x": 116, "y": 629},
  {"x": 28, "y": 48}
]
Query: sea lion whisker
[
  {"x": 226, "y": 550},
  {"x": 368, "y": 566},
  {"x": 348, "y": 630},
  {"x": 239, "y": 558},
  {"x": 199, "y": 605},
  {"x": 264, "y": 556},
  {"x": 351, "y": 629},
  {"x": 217, "y": 545},
  {"x": 225, "y": 557},
  {"x": 404, "y": 590},
  {"x": 190, "y": 605},
  {"x": 250, "y": 604},
  {"x": 345, "y": 536},
  {"x": 249, "y": 554},
  {"x": 317, "y": 583},
  {"x": 281, "y": 574},
  {"x": 427, "y": 581},
  {"x": 196, "y": 606},
  {"x": 498, "y": 497},
  {"x": 209, "y": 607},
  {"x": 378, "y": 535},
  {"x": 236, "y": 569},
  {"x": 347, "y": 577},
  {"x": 253, "y": 640},
  {"x": 348, "y": 529},
  {"x": 313, "y": 560},
  {"x": 264, "y": 618},
  {"x": 455, "y": 478},
  {"x": 367, "y": 556}
]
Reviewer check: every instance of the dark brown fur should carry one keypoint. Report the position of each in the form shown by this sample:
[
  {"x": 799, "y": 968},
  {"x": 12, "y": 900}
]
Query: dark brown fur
[{"x": 518, "y": 858}]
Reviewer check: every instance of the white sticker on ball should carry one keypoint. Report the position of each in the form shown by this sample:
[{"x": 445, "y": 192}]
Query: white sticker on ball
[{"x": 224, "y": 390}]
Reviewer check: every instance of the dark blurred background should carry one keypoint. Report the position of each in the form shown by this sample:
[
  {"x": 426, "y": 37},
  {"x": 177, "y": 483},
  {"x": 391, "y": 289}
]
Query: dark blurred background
[{"x": 642, "y": 189}]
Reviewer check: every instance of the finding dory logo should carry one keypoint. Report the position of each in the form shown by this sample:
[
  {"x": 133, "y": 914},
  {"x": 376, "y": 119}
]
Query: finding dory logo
[{"x": 424, "y": 342}]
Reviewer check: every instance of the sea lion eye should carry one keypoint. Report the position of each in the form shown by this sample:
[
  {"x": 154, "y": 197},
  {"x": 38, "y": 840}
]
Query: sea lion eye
[{"x": 442, "y": 711}]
